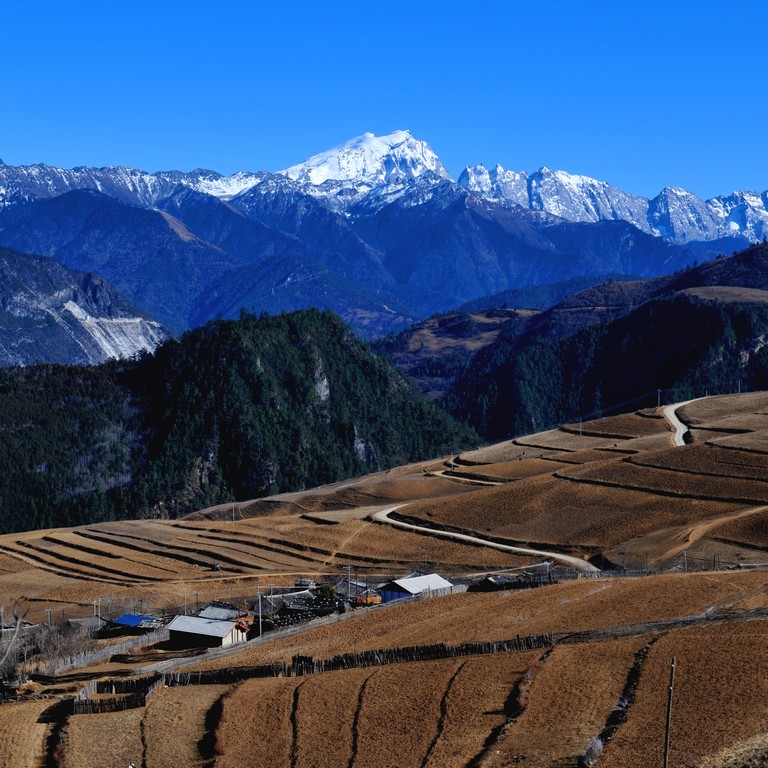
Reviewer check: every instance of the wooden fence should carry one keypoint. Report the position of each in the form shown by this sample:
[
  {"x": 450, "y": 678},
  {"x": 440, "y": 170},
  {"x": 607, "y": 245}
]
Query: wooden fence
[
  {"x": 56, "y": 666},
  {"x": 307, "y": 665},
  {"x": 129, "y": 693}
]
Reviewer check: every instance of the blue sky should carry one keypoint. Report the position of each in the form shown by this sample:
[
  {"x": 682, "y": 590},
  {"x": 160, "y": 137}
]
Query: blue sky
[{"x": 636, "y": 94}]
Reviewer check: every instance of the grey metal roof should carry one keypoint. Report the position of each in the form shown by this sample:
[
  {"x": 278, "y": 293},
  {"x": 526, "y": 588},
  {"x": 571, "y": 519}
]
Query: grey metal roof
[
  {"x": 219, "y": 613},
  {"x": 418, "y": 584},
  {"x": 194, "y": 625}
]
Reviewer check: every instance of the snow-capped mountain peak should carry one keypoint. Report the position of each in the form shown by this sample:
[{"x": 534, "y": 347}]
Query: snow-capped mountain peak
[{"x": 395, "y": 159}]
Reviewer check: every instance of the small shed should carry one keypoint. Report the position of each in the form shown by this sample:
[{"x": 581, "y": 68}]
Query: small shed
[
  {"x": 197, "y": 632},
  {"x": 221, "y": 611},
  {"x": 135, "y": 622},
  {"x": 430, "y": 584}
]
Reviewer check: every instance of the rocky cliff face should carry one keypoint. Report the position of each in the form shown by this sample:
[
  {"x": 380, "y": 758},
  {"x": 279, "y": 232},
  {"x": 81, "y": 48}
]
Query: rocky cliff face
[{"x": 49, "y": 314}]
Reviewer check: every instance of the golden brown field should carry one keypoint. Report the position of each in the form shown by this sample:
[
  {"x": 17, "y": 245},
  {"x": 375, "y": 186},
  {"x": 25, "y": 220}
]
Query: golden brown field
[{"x": 612, "y": 489}]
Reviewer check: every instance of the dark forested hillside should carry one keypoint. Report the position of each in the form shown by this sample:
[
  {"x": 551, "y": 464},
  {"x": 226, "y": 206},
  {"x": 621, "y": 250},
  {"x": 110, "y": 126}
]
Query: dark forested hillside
[
  {"x": 686, "y": 345},
  {"x": 236, "y": 409}
]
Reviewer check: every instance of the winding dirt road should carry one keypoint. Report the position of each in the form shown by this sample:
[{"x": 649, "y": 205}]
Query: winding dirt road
[
  {"x": 572, "y": 562},
  {"x": 670, "y": 414}
]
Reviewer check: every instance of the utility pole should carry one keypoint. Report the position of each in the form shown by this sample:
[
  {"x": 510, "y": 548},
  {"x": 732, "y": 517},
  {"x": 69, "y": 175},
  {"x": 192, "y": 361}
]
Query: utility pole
[
  {"x": 669, "y": 712},
  {"x": 658, "y": 398},
  {"x": 185, "y": 600},
  {"x": 259, "y": 614}
]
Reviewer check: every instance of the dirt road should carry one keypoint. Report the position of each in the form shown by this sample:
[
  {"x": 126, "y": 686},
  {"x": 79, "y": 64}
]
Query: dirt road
[{"x": 571, "y": 562}]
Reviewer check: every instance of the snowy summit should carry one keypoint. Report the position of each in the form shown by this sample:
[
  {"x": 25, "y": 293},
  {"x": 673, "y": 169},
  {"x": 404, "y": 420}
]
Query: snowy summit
[{"x": 395, "y": 159}]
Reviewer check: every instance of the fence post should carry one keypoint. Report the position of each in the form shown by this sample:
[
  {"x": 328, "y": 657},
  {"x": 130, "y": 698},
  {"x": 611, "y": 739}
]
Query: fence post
[{"x": 669, "y": 713}]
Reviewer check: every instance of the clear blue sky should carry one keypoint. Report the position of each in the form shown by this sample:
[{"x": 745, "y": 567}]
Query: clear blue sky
[{"x": 638, "y": 94}]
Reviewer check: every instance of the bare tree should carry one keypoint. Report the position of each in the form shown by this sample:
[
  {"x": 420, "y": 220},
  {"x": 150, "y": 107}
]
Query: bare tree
[{"x": 9, "y": 636}]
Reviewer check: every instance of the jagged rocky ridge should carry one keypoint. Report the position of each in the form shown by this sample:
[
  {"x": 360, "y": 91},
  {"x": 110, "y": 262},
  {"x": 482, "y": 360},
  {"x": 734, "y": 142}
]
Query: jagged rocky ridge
[
  {"x": 382, "y": 167},
  {"x": 674, "y": 214}
]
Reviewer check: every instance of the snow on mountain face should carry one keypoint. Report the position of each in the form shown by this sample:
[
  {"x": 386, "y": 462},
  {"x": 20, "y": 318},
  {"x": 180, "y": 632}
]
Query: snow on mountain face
[
  {"x": 571, "y": 197},
  {"x": 680, "y": 216},
  {"x": 369, "y": 172},
  {"x": 498, "y": 184},
  {"x": 129, "y": 185},
  {"x": 742, "y": 212},
  {"x": 674, "y": 214},
  {"x": 351, "y": 170}
]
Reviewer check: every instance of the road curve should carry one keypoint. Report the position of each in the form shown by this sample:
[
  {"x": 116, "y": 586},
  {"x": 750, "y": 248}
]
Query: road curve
[
  {"x": 670, "y": 414},
  {"x": 572, "y": 562}
]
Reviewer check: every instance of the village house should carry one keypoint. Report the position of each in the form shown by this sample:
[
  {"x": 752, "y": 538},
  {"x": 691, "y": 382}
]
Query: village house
[
  {"x": 430, "y": 585},
  {"x": 197, "y": 632}
]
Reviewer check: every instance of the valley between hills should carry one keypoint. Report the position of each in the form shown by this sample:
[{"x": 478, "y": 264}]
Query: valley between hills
[{"x": 669, "y": 541}]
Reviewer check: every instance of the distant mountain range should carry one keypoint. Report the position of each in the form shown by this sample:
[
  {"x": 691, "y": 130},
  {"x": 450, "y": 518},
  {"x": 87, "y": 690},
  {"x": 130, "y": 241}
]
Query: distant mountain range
[{"x": 375, "y": 230}]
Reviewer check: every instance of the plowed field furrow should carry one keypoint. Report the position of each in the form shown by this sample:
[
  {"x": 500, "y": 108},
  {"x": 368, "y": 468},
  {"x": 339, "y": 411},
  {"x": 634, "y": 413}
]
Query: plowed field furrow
[
  {"x": 443, "y": 715},
  {"x": 129, "y": 552},
  {"x": 54, "y": 557},
  {"x": 557, "y": 440},
  {"x": 475, "y": 706},
  {"x": 295, "y": 724},
  {"x": 258, "y": 546},
  {"x": 22, "y": 736},
  {"x": 280, "y": 558},
  {"x": 325, "y": 718},
  {"x": 667, "y": 482},
  {"x": 175, "y": 723},
  {"x": 166, "y": 551},
  {"x": 42, "y": 564},
  {"x": 194, "y": 545},
  {"x": 267, "y": 543},
  {"x": 61, "y": 542},
  {"x": 730, "y": 659},
  {"x": 410, "y": 726},
  {"x": 356, "y": 721},
  {"x": 255, "y": 727},
  {"x": 287, "y": 556},
  {"x": 755, "y": 443},
  {"x": 708, "y": 459},
  {"x": 73, "y": 541},
  {"x": 626, "y": 426},
  {"x": 264, "y": 545},
  {"x": 326, "y": 554},
  {"x": 110, "y": 740},
  {"x": 569, "y": 703}
]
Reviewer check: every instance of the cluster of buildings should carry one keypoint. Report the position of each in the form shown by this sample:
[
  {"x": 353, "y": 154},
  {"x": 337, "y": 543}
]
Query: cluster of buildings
[{"x": 220, "y": 624}]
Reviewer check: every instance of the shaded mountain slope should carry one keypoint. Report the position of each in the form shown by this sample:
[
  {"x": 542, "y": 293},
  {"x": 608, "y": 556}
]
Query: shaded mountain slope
[
  {"x": 148, "y": 256},
  {"x": 613, "y": 343},
  {"x": 236, "y": 409}
]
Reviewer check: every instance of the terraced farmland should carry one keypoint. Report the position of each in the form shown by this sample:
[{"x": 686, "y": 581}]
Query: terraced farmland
[{"x": 613, "y": 489}]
